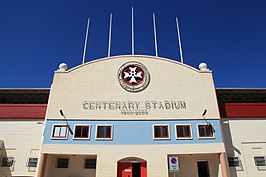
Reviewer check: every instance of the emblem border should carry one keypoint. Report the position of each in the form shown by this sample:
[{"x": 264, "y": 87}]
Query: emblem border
[{"x": 139, "y": 87}]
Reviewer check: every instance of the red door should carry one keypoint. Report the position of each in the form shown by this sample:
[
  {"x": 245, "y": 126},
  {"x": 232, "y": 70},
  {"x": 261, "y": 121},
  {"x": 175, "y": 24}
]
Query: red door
[
  {"x": 143, "y": 169},
  {"x": 126, "y": 169}
]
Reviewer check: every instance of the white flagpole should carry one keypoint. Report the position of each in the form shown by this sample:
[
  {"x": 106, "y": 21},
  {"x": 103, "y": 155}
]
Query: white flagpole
[
  {"x": 179, "y": 40},
  {"x": 132, "y": 30},
  {"x": 110, "y": 33},
  {"x": 155, "y": 36},
  {"x": 86, "y": 39}
]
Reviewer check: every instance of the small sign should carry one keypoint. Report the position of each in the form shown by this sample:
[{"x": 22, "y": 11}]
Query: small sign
[{"x": 173, "y": 164}]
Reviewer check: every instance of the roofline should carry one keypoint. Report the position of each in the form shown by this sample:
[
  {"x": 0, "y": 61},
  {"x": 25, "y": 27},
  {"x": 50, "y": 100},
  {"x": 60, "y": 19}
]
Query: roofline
[
  {"x": 41, "y": 95},
  {"x": 134, "y": 56},
  {"x": 240, "y": 88},
  {"x": 24, "y": 88}
]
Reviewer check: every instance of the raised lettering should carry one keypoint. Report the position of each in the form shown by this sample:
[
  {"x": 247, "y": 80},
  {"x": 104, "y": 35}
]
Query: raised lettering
[
  {"x": 154, "y": 104},
  {"x": 147, "y": 105},
  {"x": 167, "y": 105},
  {"x": 91, "y": 105},
  {"x": 130, "y": 105},
  {"x": 160, "y": 105},
  {"x": 85, "y": 105},
  {"x": 111, "y": 105},
  {"x": 137, "y": 104},
  {"x": 183, "y": 105}
]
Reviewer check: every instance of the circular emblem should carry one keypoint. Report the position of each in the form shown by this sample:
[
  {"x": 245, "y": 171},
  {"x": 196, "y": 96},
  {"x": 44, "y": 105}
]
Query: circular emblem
[{"x": 133, "y": 76}]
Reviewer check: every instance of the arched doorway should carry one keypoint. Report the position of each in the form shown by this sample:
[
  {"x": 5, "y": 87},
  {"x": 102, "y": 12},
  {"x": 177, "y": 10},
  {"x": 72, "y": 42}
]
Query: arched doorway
[{"x": 132, "y": 167}]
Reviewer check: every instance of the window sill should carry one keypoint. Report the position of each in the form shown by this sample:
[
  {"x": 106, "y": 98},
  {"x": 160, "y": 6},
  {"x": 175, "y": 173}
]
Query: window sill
[
  {"x": 104, "y": 139},
  {"x": 58, "y": 138},
  {"x": 161, "y": 138},
  {"x": 184, "y": 138},
  {"x": 206, "y": 137},
  {"x": 81, "y": 138}
]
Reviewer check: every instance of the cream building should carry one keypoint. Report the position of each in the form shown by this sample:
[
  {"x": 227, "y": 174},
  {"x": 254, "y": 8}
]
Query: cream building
[
  {"x": 5, "y": 172},
  {"x": 22, "y": 113},
  {"x": 132, "y": 116},
  {"x": 244, "y": 126}
]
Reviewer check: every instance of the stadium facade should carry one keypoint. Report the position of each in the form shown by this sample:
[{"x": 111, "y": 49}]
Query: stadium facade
[{"x": 133, "y": 116}]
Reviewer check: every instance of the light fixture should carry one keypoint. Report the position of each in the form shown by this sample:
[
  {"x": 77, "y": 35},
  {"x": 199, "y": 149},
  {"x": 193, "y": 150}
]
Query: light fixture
[
  {"x": 63, "y": 115},
  {"x": 40, "y": 123},
  {"x": 208, "y": 123},
  {"x": 204, "y": 112}
]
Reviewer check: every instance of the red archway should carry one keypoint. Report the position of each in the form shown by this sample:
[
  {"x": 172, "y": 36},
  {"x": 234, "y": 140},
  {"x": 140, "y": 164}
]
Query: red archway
[{"x": 132, "y": 167}]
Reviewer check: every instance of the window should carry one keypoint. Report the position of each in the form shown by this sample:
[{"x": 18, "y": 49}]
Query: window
[
  {"x": 62, "y": 163},
  {"x": 90, "y": 164},
  {"x": 104, "y": 132},
  {"x": 82, "y": 132},
  {"x": 260, "y": 161},
  {"x": 205, "y": 131},
  {"x": 7, "y": 161},
  {"x": 161, "y": 132},
  {"x": 183, "y": 132},
  {"x": 233, "y": 161},
  {"x": 60, "y": 132},
  {"x": 32, "y": 162}
]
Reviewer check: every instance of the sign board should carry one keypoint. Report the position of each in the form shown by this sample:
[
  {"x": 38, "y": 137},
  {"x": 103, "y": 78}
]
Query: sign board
[{"x": 173, "y": 164}]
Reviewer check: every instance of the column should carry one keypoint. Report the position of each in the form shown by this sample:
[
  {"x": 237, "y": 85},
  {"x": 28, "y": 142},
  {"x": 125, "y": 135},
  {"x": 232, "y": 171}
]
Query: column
[
  {"x": 223, "y": 165},
  {"x": 41, "y": 165}
]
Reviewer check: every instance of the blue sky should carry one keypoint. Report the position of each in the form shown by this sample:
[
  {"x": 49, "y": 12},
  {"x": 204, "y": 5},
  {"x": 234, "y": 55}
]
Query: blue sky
[{"x": 36, "y": 36}]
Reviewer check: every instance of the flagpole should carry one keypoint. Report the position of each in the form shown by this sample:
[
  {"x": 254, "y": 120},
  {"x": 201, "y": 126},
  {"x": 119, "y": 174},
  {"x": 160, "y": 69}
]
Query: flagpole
[
  {"x": 179, "y": 41},
  {"x": 110, "y": 33},
  {"x": 155, "y": 36},
  {"x": 132, "y": 30},
  {"x": 86, "y": 39}
]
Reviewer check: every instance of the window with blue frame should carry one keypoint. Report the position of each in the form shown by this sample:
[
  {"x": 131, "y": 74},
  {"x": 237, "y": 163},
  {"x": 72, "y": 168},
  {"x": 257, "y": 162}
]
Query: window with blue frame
[
  {"x": 161, "y": 132},
  {"x": 60, "y": 132},
  {"x": 183, "y": 132},
  {"x": 205, "y": 131},
  {"x": 104, "y": 132},
  {"x": 82, "y": 132}
]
